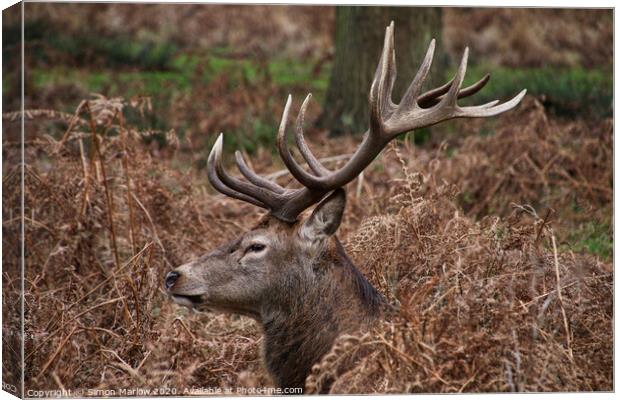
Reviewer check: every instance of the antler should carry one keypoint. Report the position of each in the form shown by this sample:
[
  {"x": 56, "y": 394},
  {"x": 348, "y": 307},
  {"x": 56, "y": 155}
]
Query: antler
[{"x": 387, "y": 120}]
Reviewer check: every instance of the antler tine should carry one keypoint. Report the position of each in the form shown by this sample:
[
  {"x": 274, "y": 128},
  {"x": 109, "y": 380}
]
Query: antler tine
[
  {"x": 486, "y": 110},
  {"x": 215, "y": 157},
  {"x": 475, "y": 88},
  {"x": 443, "y": 105},
  {"x": 283, "y": 204},
  {"x": 435, "y": 93},
  {"x": 433, "y": 96},
  {"x": 366, "y": 152},
  {"x": 414, "y": 88},
  {"x": 295, "y": 169},
  {"x": 253, "y": 177},
  {"x": 489, "y": 109},
  {"x": 270, "y": 199},
  {"x": 314, "y": 164},
  {"x": 380, "y": 96},
  {"x": 450, "y": 98},
  {"x": 390, "y": 78}
]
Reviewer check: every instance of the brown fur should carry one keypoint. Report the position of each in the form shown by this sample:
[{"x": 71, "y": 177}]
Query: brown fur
[
  {"x": 301, "y": 287},
  {"x": 302, "y": 323}
]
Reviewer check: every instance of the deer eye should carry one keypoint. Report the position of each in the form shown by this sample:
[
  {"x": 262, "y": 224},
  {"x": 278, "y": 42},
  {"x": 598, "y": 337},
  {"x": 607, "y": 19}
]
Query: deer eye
[{"x": 256, "y": 247}]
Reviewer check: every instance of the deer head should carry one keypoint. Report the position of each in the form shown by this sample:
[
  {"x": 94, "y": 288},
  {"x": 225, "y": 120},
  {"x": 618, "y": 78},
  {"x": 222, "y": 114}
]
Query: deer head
[
  {"x": 289, "y": 268},
  {"x": 243, "y": 275}
]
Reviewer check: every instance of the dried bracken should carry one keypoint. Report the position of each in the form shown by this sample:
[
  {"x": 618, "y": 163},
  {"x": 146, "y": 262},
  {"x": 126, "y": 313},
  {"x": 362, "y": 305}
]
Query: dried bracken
[
  {"x": 527, "y": 158},
  {"x": 480, "y": 306},
  {"x": 487, "y": 306}
]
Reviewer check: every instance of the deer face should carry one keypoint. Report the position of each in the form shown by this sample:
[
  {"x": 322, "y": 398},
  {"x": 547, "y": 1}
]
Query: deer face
[{"x": 246, "y": 273}]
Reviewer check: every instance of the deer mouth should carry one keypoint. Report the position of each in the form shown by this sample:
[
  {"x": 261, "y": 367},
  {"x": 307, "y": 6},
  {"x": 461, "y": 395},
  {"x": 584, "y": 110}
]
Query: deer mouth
[{"x": 189, "y": 301}]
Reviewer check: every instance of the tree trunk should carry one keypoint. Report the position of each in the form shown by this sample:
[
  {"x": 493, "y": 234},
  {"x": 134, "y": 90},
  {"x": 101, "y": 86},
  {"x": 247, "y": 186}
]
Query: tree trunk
[{"x": 359, "y": 39}]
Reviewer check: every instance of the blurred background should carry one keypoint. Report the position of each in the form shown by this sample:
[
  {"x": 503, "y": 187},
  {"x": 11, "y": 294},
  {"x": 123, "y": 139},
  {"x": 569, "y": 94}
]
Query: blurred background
[{"x": 211, "y": 68}]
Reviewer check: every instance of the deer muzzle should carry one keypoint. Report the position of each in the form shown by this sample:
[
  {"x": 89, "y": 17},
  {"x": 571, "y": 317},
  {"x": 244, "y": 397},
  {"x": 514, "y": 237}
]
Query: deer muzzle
[{"x": 180, "y": 291}]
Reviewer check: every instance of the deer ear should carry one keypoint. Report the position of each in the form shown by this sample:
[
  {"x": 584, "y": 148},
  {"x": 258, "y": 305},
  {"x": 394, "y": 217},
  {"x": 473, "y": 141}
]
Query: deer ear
[{"x": 326, "y": 217}]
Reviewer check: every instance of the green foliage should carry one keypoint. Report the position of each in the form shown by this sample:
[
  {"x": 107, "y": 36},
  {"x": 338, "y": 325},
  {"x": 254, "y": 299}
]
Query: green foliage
[
  {"x": 595, "y": 238},
  {"x": 566, "y": 91},
  {"x": 417, "y": 137},
  {"x": 163, "y": 86},
  {"x": 257, "y": 133},
  {"x": 292, "y": 73},
  {"x": 89, "y": 48},
  {"x": 188, "y": 73},
  {"x": 421, "y": 136},
  {"x": 467, "y": 199},
  {"x": 124, "y": 66}
]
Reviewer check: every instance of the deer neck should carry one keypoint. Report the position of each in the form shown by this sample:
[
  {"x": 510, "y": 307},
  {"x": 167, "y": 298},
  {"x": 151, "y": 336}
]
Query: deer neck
[{"x": 302, "y": 324}]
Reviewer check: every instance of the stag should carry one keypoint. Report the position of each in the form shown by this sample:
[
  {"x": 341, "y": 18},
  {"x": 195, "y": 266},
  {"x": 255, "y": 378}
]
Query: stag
[{"x": 291, "y": 273}]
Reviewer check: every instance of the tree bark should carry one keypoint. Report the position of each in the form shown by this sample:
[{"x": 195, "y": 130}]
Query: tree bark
[{"x": 359, "y": 38}]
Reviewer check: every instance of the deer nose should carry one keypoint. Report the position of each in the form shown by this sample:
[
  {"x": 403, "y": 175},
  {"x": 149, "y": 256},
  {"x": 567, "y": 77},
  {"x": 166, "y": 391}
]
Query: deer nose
[{"x": 171, "y": 278}]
